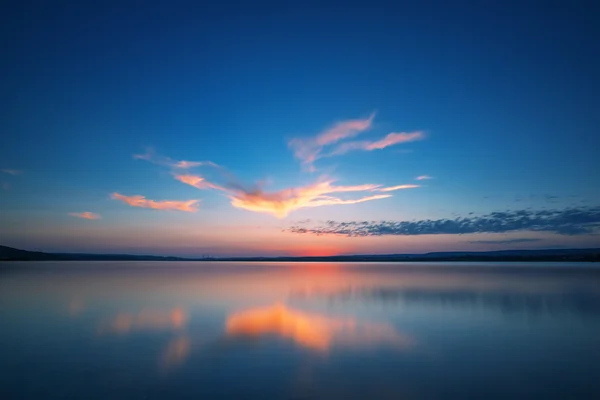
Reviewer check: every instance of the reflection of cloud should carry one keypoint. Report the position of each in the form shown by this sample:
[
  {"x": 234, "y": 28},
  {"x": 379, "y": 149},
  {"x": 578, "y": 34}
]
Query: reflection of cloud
[
  {"x": 568, "y": 221},
  {"x": 147, "y": 320},
  {"x": 85, "y": 215},
  {"x": 141, "y": 201},
  {"x": 176, "y": 352},
  {"x": 312, "y": 330}
]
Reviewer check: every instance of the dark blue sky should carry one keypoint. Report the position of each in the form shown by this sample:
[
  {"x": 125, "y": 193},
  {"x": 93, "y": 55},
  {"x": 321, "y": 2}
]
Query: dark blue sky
[{"x": 504, "y": 93}]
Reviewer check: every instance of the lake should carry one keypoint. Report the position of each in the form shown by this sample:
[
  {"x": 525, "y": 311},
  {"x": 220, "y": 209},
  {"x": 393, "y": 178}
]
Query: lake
[{"x": 171, "y": 330}]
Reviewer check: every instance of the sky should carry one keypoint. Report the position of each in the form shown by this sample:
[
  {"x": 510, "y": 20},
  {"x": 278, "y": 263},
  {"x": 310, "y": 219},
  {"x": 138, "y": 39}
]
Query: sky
[{"x": 299, "y": 128}]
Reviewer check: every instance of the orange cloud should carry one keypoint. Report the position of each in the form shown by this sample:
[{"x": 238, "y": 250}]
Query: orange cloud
[
  {"x": 282, "y": 202},
  {"x": 423, "y": 177},
  {"x": 85, "y": 215},
  {"x": 312, "y": 331},
  {"x": 198, "y": 182},
  {"x": 147, "y": 320},
  {"x": 399, "y": 187},
  {"x": 389, "y": 140},
  {"x": 308, "y": 149},
  {"x": 141, "y": 201}
]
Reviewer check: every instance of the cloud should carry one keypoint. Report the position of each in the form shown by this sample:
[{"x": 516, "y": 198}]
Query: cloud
[
  {"x": 389, "y": 140},
  {"x": 154, "y": 158},
  {"x": 141, "y": 201},
  {"x": 85, "y": 215},
  {"x": 423, "y": 177},
  {"x": 506, "y": 241},
  {"x": 281, "y": 203},
  {"x": 198, "y": 182},
  {"x": 399, "y": 187},
  {"x": 309, "y": 149},
  {"x": 11, "y": 171},
  {"x": 568, "y": 221}
]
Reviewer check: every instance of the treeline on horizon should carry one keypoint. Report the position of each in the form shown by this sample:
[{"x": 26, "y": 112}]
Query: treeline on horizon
[{"x": 579, "y": 255}]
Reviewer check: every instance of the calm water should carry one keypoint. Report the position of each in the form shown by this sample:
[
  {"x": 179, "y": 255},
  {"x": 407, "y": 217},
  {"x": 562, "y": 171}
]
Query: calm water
[{"x": 135, "y": 330}]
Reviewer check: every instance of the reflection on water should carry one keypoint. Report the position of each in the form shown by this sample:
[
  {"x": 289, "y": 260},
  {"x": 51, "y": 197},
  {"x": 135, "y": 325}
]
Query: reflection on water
[
  {"x": 177, "y": 350},
  {"x": 146, "y": 319},
  {"x": 582, "y": 303},
  {"x": 209, "y": 330},
  {"x": 312, "y": 331}
]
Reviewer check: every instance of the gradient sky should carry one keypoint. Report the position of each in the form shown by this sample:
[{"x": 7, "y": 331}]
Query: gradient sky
[{"x": 301, "y": 112}]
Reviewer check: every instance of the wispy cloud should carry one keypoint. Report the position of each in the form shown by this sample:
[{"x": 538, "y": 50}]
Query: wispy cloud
[
  {"x": 567, "y": 221},
  {"x": 11, "y": 171},
  {"x": 281, "y": 203},
  {"x": 198, "y": 182},
  {"x": 389, "y": 140},
  {"x": 399, "y": 187},
  {"x": 423, "y": 177},
  {"x": 85, "y": 215},
  {"x": 154, "y": 158},
  {"x": 141, "y": 201},
  {"x": 309, "y": 149}
]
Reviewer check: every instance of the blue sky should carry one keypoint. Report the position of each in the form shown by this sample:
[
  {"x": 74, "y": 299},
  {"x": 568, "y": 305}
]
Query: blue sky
[{"x": 504, "y": 95}]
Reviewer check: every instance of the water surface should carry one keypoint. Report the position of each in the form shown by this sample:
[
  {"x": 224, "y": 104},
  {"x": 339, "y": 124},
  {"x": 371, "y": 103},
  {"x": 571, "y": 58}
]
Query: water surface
[{"x": 139, "y": 330}]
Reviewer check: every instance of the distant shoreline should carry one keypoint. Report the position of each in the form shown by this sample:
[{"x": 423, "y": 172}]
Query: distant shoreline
[{"x": 552, "y": 255}]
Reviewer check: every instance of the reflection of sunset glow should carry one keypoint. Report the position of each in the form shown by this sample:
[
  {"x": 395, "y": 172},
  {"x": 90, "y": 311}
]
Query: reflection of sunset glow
[
  {"x": 148, "y": 319},
  {"x": 76, "y": 307},
  {"x": 176, "y": 352},
  {"x": 311, "y": 330}
]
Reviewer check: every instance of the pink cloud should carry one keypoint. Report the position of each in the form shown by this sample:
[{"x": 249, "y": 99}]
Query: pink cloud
[
  {"x": 423, "y": 177},
  {"x": 85, "y": 215},
  {"x": 309, "y": 149},
  {"x": 141, "y": 201},
  {"x": 389, "y": 140},
  {"x": 154, "y": 158},
  {"x": 198, "y": 182}
]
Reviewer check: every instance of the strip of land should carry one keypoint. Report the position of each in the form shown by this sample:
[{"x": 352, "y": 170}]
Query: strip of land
[{"x": 582, "y": 255}]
